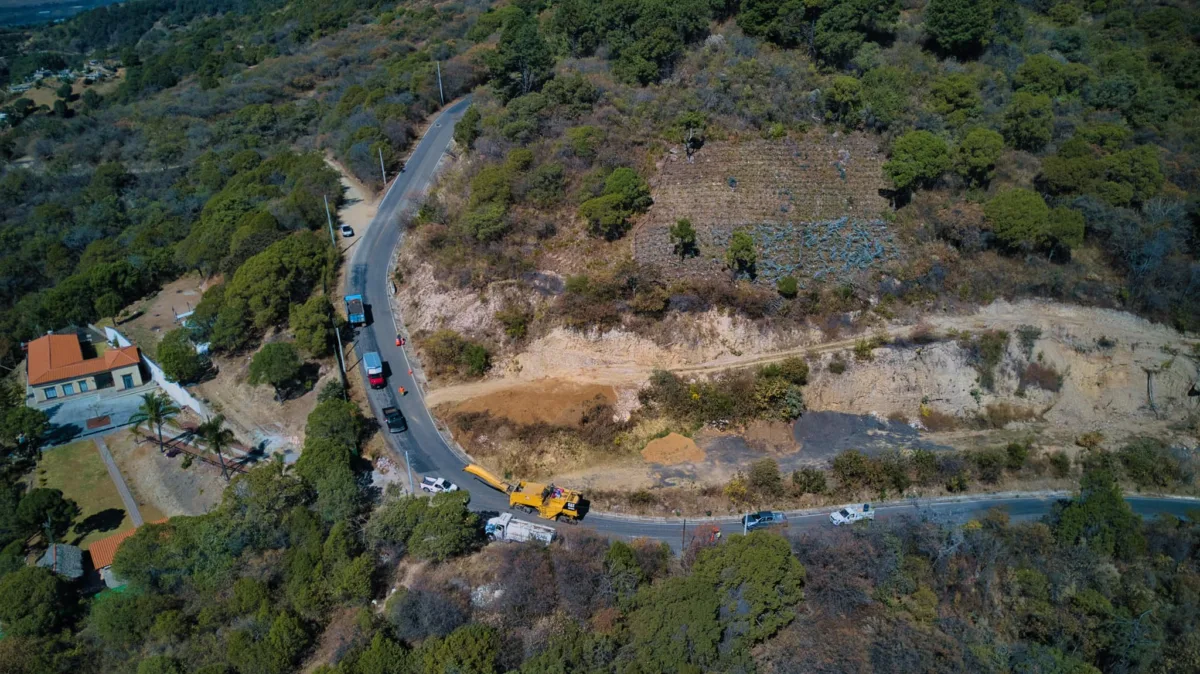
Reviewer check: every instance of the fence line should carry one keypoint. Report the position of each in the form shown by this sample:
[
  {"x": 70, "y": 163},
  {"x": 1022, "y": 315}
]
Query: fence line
[{"x": 178, "y": 393}]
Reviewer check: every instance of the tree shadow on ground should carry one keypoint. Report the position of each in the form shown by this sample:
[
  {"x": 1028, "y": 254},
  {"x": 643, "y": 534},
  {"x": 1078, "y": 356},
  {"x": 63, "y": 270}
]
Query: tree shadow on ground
[
  {"x": 61, "y": 434},
  {"x": 105, "y": 520}
]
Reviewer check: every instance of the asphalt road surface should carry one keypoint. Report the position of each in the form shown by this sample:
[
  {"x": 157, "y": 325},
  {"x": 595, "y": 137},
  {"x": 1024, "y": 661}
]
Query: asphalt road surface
[{"x": 429, "y": 454}]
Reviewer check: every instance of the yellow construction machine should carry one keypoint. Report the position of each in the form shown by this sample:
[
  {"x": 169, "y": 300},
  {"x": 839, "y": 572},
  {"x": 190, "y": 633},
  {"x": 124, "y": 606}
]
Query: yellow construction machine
[{"x": 548, "y": 501}]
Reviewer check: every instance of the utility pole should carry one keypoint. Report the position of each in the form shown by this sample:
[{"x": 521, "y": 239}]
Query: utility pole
[
  {"x": 381, "y": 169},
  {"x": 441, "y": 94},
  {"x": 341, "y": 357},
  {"x": 329, "y": 219},
  {"x": 408, "y": 464},
  {"x": 683, "y": 536},
  {"x": 743, "y": 525}
]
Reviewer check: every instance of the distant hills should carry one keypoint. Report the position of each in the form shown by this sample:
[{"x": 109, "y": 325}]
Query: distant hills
[{"x": 26, "y": 12}]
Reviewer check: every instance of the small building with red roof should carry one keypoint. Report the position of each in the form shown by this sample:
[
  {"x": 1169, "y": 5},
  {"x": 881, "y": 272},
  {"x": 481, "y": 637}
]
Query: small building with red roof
[{"x": 104, "y": 551}]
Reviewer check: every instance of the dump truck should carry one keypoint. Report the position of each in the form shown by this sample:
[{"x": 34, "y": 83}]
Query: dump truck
[
  {"x": 374, "y": 366},
  {"x": 548, "y": 501},
  {"x": 507, "y": 528},
  {"x": 356, "y": 313}
]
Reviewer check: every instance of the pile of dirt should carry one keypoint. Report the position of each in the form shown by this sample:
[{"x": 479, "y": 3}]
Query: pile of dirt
[
  {"x": 672, "y": 449},
  {"x": 554, "y": 402}
]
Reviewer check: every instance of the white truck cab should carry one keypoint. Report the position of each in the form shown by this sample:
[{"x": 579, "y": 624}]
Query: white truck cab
[
  {"x": 507, "y": 528},
  {"x": 851, "y": 514}
]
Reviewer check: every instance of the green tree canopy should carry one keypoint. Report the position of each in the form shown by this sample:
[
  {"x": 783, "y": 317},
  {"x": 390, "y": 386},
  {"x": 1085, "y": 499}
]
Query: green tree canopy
[
  {"x": 313, "y": 324},
  {"x": 956, "y": 98},
  {"x": 466, "y": 129},
  {"x": 178, "y": 357},
  {"x": 47, "y": 510},
  {"x": 957, "y": 25},
  {"x": 741, "y": 255},
  {"x": 33, "y": 602},
  {"x": 919, "y": 158},
  {"x": 1028, "y": 121},
  {"x": 683, "y": 236},
  {"x": 745, "y": 589},
  {"x": 277, "y": 364},
  {"x": 1018, "y": 217},
  {"x": 1099, "y": 518},
  {"x": 268, "y": 283},
  {"x": 976, "y": 156},
  {"x": 522, "y": 62},
  {"x": 625, "y": 193}
]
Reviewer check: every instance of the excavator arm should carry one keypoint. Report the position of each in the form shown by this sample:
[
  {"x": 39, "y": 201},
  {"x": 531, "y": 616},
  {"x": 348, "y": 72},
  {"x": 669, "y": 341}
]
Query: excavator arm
[{"x": 492, "y": 481}]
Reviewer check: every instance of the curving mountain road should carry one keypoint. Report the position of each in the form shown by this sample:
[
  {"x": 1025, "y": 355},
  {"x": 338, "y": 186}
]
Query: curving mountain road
[{"x": 430, "y": 454}]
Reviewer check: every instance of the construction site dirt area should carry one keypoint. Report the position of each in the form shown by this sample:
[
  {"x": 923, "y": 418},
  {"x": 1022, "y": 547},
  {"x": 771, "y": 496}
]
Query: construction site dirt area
[
  {"x": 672, "y": 449},
  {"x": 155, "y": 316},
  {"x": 1055, "y": 372},
  {"x": 253, "y": 413},
  {"x": 161, "y": 481},
  {"x": 552, "y": 402}
]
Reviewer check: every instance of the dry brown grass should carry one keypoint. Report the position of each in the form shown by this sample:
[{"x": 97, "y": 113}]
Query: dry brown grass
[
  {"x": 1042, "y": 376},
  {"x": 935, "y": 421},
  {"x": 1000, "y": 415}
]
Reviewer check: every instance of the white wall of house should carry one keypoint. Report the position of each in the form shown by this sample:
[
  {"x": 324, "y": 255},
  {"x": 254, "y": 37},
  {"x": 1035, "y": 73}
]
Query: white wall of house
[{"x": 178, "y": 393}]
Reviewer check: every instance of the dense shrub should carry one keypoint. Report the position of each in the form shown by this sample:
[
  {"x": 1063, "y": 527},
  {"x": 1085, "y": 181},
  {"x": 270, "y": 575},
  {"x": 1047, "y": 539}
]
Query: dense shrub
[
  {"x": 450, "y": 352},
  {"x": 1150, "y": 464}
]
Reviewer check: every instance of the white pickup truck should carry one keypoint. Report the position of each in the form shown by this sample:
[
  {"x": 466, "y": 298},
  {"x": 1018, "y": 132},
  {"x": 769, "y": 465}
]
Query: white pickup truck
[
  {"x": 851, "y": 514},
  {"x": 437, "y": 485},
  {"x": 506, "y": 528}
]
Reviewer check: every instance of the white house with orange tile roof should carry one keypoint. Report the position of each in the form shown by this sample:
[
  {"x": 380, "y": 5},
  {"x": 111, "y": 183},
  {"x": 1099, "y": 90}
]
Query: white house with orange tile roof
[{"x": 56, "y": 369}]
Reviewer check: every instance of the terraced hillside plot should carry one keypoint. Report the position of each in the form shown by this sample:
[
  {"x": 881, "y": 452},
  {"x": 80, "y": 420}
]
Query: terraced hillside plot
[{"x": 812, "y": 206}]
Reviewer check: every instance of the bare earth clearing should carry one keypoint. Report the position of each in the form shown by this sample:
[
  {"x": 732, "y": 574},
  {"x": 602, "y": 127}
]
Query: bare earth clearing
[
  {"x": 155, "y": 316},
  {"x": 1102, "y": 356},
  {"x": 162, "y": 481}
]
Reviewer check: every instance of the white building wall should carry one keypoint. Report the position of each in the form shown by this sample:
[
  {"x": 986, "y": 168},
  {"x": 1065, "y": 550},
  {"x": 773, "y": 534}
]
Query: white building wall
[{"x": 178, "y": 393}]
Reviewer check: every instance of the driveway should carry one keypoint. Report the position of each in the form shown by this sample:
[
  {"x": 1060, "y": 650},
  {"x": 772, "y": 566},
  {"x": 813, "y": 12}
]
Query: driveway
[{"x": 69, "y": 417}]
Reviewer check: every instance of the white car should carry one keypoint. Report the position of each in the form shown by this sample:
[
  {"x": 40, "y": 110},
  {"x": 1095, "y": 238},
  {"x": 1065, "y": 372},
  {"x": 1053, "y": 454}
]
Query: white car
[
  {"x": 852, "y": 514},
  {"x": 437, "y": 485},
  {"x": 347, "y": 232}
]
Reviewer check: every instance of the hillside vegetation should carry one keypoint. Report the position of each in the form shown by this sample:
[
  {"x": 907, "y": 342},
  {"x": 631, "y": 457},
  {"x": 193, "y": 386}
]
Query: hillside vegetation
[
  {"x": 1001, "y": 149},
  {"x": 980, "y": 150}
]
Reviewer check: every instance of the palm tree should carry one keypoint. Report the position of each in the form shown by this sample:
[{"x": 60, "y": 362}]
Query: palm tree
[
  {"x": 218, "y": 438},
  {"x": 156, "y": 409}
]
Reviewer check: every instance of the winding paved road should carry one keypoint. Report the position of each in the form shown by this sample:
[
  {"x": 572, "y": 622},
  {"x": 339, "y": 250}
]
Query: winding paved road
[{"x": 430, "y": 454}]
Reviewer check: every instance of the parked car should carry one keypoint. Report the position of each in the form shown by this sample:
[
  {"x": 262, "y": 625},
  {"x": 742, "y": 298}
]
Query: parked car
[
  {"x": 852, "y": 514},
  {"x": 763, "y": 519},
  {"x": 396, "y": 422},
  {"x": 347, "y": 232},
  {"x": 437, "y": 485}
]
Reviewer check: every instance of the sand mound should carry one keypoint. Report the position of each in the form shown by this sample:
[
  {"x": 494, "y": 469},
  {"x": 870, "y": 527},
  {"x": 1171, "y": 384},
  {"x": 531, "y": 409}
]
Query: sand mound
[
  {"x": 672, "y": 449},
  {"x": 553, "y": 402}
]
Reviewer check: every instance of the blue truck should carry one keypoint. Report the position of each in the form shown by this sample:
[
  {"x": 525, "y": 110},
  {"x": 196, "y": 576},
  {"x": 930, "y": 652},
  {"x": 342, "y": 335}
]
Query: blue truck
[{"x": 355, "y": 310}]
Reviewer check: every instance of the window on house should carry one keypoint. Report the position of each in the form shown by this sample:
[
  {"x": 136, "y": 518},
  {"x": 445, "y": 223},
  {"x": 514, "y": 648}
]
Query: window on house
[
  {"x": 127, "y": 381},
  {"x": 83, "y": 387},
  {"x": 51, "y": 393},
  {"x": 68, "y": 389}
]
